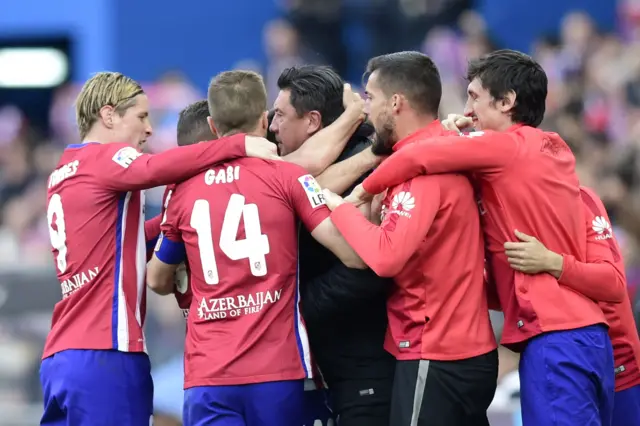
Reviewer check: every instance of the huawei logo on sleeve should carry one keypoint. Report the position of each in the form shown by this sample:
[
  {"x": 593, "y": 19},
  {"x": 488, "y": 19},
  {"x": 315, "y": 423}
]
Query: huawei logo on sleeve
[
  {"x": 602, "y": 228},
  {"x": 402, "y": 203}
]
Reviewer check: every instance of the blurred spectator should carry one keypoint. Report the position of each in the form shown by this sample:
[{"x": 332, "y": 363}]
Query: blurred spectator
[
  {"x": 320, "y": 25},
  {"x": 281, "y": 43}
]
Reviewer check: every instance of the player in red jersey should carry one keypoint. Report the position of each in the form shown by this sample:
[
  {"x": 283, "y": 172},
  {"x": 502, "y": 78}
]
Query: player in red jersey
[
  {"x": 248, "y": 366},
  {"x": 95, "y": 213},
  {"x": 193, "y": 128},
  {"x": 430, "y": 241},
  {"x": 526, "y": 179},
  {"x": 603, "y": 262}
]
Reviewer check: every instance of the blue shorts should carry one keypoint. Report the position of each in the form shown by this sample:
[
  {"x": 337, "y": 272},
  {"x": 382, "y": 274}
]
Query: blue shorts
[
  {"x": 96, "y": 387},
  {"x": 316, "y": 408},
  {"x": 567, "y": 378},
  {"x": 261, "y": 404},
  {"x": 626, "y": 407}
]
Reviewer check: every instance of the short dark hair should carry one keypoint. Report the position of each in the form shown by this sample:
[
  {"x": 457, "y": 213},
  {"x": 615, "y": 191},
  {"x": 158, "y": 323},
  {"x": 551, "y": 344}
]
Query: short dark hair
[
  {"x": 192, "y": 124},
  {"x": 237, "y": 101},
  {"x": 271, "y": 137},
  {"x": 413, "y": 74},
  {"x": 503, "y": 71},
  {"x": 314, "y": 88}
]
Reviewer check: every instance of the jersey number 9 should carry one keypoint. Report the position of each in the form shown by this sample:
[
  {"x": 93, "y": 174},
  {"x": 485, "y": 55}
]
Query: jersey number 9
[{"x": 58, "y": 236}]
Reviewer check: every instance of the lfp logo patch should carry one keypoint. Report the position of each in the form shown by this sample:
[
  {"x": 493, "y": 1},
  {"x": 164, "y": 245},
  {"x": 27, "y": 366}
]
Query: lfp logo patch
[
  {"x": 313, "y": 190},
  {"x": 125, "y": 156}
]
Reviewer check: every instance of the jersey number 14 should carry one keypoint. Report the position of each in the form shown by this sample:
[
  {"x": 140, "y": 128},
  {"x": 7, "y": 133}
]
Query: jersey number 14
[{"x": 254, "y": 246}]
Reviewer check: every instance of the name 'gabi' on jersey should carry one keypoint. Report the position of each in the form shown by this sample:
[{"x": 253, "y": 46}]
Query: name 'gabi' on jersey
[{"x": 223, "y": 175}]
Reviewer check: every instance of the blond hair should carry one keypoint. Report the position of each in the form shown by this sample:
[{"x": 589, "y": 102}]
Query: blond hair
[
  {"x": 237, "y": 101},
  {"x": 104, "y": 89}
]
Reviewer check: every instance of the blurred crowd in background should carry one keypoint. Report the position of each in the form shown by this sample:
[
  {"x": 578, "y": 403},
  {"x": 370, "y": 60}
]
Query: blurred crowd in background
[{"x": 593, "y": 102}]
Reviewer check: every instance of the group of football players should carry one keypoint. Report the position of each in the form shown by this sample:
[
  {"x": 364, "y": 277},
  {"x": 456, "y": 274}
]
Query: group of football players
[{"x": 481, "y": 210}]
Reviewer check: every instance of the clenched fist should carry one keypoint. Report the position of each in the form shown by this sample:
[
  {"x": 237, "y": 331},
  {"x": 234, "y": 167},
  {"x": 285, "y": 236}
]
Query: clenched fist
[
  {"x": 353, "y": 102},
  {"x": 457, "y": 122}
]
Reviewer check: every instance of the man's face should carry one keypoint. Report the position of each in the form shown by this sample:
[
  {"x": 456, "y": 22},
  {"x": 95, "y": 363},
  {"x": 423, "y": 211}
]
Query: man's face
[
  {"x": 483, "y": 108},
  {"x": 381, "y": 116},
  {"x": 133, "y": 126},
  {"x": 290, "y": 130}
]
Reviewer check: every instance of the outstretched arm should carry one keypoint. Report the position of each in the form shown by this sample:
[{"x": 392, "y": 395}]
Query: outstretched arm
[
  {"x": 123, "y": 168},
  {"x": 340, "y": 176},
  {"x": 387, "y": 248},
  {"x": 478, "y": 152}
]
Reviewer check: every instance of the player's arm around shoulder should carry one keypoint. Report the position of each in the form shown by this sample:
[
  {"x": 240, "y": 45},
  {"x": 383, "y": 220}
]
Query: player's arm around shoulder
[
  {"x": 113, "y": 161},
  {"x": 410, "y": 209},
  {"x": 307, "y": 201},
  {"x": 487, "y": 153}
]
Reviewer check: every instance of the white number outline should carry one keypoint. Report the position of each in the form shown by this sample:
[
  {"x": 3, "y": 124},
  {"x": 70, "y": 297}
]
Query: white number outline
[
  {"x": 254, "y": 247},
  {"x": 58, "y": 238}
]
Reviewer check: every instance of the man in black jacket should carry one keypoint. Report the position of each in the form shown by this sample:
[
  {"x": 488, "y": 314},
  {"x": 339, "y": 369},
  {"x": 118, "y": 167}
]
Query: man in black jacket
[{"x": 344, "y": 309}]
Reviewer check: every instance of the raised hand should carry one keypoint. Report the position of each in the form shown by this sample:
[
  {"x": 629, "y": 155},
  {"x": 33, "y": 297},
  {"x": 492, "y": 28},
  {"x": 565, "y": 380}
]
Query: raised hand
[
  {"x": 457, "y": 122},
  {"x": 353, "y": 102}
]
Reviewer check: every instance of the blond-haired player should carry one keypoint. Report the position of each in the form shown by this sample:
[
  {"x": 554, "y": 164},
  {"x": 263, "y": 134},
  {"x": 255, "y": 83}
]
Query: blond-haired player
[{"x": 95, "y": 370}]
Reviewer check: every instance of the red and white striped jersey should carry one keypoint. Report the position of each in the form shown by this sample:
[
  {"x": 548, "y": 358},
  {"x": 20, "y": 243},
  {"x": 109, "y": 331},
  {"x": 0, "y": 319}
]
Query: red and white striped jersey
[
  {"x": 183, "y": 293},
  {"x": 95, "y": 212},
  {"x": 236, "y": 226}
]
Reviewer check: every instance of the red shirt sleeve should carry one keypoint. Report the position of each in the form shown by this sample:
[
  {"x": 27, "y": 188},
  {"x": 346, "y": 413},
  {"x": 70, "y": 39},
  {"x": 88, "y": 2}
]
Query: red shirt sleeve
[
  {"x": 123, "y": 168},
  {"x": 170, "y": 247},
  {"x": 602, "y": 277},
  {"x": 305, "y": 195},
  {"x": 152, "y": 227},
  {"x": 151, "y": 233},
  {"x": 166, "y": 197},
  {"x": 388, "y": 247},
  {"x": 478, "y": 152}
]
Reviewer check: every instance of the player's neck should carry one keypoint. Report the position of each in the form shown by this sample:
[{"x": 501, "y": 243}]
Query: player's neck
[
  {"x": 258, "y": 131},
  {"x": 411, "y": 124},
  {"x": 504, "y": 126},
  {"x": 258, "y": 134},
  {"x": 98, "y": 135}
]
